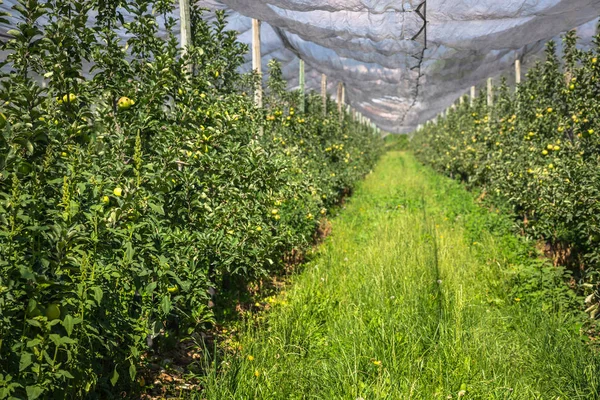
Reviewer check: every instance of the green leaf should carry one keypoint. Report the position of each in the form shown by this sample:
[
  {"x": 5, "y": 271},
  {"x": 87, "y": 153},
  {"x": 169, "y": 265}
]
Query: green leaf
[
  {"x": 150, "y": 288},
  {"x": 129, "y": 252},
  {"x": 33, "y": 392},
  {"x": 132, "y": 372},
  {"x": 156, "y": 208},
  {"x": 66, "y": 374},
  {"x": 27, "y": 273},
  {"x": 114, "y": 377},
  {"x": 165, "y": 304},
  {"x": 97, "y": 294},
  {"x": 55, "y": 339},
  {"x": 25, "y": 361},
  {"x": 68, "y": 323}
]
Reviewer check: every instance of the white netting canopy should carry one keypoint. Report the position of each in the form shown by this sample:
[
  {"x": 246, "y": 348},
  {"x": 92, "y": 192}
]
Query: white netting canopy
[
  {"x": 377, "y": 48},
  {"x": 395, "y": 71}
]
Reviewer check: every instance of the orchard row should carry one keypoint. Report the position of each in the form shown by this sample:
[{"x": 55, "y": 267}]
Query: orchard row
[
  {"x": 134, "y": 177},
  {"x": 536, "y": 150}
]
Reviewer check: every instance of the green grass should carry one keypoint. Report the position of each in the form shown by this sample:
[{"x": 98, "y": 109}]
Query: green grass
[
  {"x": 396, "y": 142},
  {"x": 412, "y": 297}
]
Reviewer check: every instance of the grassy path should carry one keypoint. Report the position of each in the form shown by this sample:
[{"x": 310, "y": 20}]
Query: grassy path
[{"x": 409, "y": 300}]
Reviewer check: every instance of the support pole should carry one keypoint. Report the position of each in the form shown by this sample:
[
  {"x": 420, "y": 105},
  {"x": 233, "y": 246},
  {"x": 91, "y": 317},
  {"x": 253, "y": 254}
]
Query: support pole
[
  {"x": 517, "y": 74},
  {"x": 324, "y": 93},
  {"x": 257, "y": 62},
  {"x": 340, "y": 99},
  {"x": 302, "y": 85},
  {"x": 472, "y": 95},
  {"x": 186, "y": 28},
  {"x": 490, "y": 93},
  {"x": 343, "y": 99}
]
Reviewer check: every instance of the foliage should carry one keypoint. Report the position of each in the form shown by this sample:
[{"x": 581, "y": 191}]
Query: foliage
[
  {"x": 536, "y": 151},
  {"x": 130, "y": 187}
]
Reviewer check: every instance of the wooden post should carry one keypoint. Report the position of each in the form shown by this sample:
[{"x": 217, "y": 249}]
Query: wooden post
[
  {"x": 324, "y": 93},
  {"x": 517, "y": 74},
  {"x": 340, "y": 99},
  {"x": 472, "y": 95},
  {"x": 186, "y": 28},
  {"x": 257, "y": 61},
  {"x": 302, "y": 85},
  {"x": 490, "y": 93}
]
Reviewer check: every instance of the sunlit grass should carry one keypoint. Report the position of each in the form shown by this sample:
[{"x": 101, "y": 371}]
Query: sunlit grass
[{"x": 409, "y": 299}]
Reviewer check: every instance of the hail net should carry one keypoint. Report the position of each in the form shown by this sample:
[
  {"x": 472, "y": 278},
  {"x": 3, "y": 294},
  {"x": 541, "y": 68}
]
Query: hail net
[{"x": 403, "y": 61}]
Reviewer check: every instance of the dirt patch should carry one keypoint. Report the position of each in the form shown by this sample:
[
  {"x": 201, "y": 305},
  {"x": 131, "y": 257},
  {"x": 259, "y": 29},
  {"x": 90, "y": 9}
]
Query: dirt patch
[
  {"x": 170, "y": 374},
  {"x": 562, "y": 254},
  {"x": 323, "y": 231}
]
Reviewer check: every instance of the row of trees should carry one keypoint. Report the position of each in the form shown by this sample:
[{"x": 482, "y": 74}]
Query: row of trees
[
  {"x": 536, "y": 150},
  {"x": 133, "y": 177}
]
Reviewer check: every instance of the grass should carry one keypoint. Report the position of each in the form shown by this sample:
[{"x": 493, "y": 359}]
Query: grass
[
  {"x": 396, "y": 142},
  {"x": 413, "y": 297}
]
